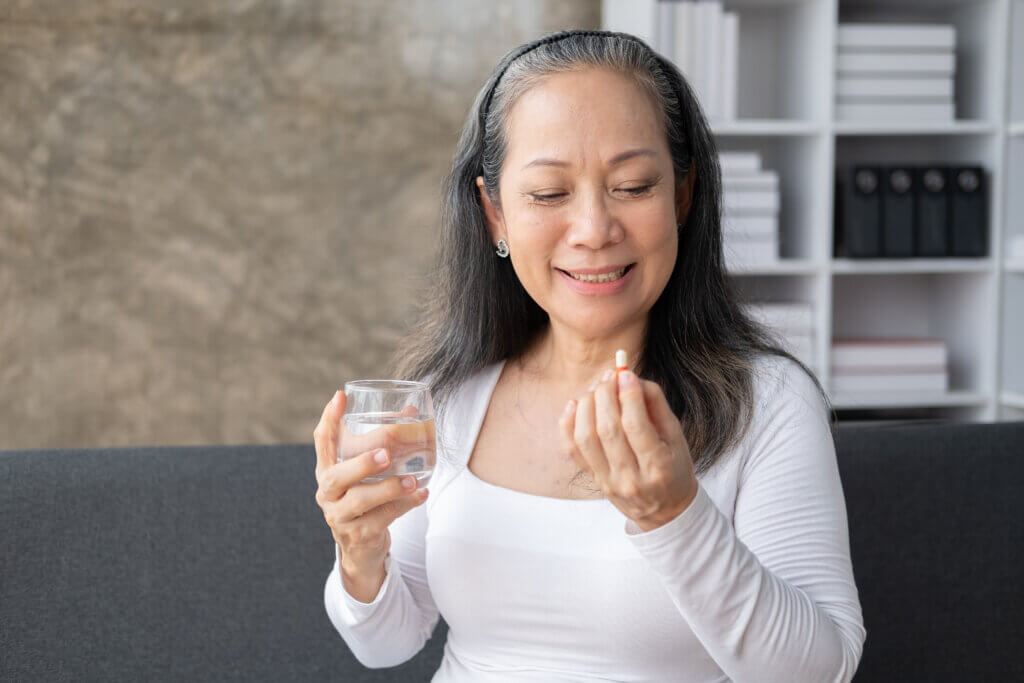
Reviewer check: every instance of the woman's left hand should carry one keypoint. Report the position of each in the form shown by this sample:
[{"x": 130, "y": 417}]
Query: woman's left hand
[{"x": 626, "y": 437}]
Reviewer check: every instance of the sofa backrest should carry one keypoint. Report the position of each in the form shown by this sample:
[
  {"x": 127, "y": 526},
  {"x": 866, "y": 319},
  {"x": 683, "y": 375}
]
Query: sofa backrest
[{"x": 208, "y": 563}]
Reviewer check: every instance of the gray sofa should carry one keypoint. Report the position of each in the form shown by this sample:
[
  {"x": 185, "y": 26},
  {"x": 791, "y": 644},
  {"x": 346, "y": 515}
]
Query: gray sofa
[{"x": 208, "y": 563}]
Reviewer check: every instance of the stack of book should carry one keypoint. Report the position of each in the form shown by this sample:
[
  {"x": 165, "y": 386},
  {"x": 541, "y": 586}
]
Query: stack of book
[
  {"x": 879, "y": 365},
  {"x": 895, "y": 72},
  {"x": 794, "y": 322},
  {"x": 700, "y": 37},
  {"x": 750, "y": 211}
]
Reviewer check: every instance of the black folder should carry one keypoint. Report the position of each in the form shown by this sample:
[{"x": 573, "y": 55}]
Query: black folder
[
  {"x": 932, "y": 234},
  {"x": 859, "y": 235},
  {"x": 898, "y": 190},
  {"x": 968, "y": 224}
]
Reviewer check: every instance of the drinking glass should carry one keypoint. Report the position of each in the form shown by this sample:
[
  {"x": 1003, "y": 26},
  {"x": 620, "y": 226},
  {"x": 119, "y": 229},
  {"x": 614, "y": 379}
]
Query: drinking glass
[{"x": 392, "y": 414}]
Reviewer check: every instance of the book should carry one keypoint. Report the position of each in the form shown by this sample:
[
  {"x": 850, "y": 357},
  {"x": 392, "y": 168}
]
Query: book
[
  {"x": 900, "y": 87},
  {"x": 794, "y": 318},
  {"x": 682, "y": 53},
  {"x": 638, "y": 17},
  {"x": 905, "y": 110},
  {"x": 883, "y": 382},
  {"x": 740, "y": 253},
  {"x": 730, "y": 66},
  {"x": 896, "y": 36},
  {"x": 885, "y": 63},
  {"x": 756, "y": 180},
  {"x": 750, "y": 201},
  {"x": 739, "y": 162},
  {"x": 898, "y": 352},
  {"x": 753, "y": 225},
  {"x": 709, "y": 22}
]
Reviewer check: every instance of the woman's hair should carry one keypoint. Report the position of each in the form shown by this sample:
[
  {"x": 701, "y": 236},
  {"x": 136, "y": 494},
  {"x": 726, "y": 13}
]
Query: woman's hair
[{"x": 701, "y": 347}]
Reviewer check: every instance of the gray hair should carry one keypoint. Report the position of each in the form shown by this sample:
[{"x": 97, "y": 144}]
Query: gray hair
[{"x": 701, "y": 346}]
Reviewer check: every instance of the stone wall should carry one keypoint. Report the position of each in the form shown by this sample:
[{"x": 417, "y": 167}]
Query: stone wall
[{"x": 213, "y": 214}]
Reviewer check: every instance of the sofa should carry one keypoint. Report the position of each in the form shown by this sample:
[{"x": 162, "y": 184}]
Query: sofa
[{"x": 208, "y": 563}]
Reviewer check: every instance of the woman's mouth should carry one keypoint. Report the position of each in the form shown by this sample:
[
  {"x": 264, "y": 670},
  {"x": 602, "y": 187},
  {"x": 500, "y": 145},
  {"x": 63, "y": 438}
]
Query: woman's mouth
[{"x": 598, "y": 283}]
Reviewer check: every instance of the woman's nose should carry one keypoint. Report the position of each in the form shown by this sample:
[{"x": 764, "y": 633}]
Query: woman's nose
[{"x": 594, "y": 226}]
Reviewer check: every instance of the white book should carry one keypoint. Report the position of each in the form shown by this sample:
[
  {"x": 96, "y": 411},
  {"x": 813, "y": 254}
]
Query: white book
[
  {"x": 750, "y": 201},
  {"x": 665, "y": 28},
  {"x": 739, "y": 162},
  {"x": 631, "y": 16},
  {"x": 711, "y": 25},
  {"x": 912, "y": 352},
  {"x": 925, "y": 86},
  {"x": 749, "y": 252},
  {"x": 701, "y": 43},
  {"x": 887, "y": 63},
  {"x": 899, "y": 111},
  {"x": 730, "y": 65},
  {"x": 897, "y": 36},
  {"x": 936, "y": 381},
  {"x": 760, "y": 180},
  {"x": 681, "y": 53},
  {"x": 750, "y": 226},
  {"x": 795, "y": 318}
]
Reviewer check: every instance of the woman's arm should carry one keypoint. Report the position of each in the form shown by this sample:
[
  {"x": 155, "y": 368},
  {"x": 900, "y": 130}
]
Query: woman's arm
[
  {"x": 772, "y": 599},
  {"x": 395, "y": 626}
]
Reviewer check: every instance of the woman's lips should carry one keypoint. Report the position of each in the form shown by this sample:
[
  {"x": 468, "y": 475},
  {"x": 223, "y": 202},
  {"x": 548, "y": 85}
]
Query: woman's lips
[{"x": 594, "y": 288}]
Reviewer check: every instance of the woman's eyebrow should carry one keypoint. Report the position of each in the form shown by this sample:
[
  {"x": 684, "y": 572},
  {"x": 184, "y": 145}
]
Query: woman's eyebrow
[{"x": 617, "y": 159}]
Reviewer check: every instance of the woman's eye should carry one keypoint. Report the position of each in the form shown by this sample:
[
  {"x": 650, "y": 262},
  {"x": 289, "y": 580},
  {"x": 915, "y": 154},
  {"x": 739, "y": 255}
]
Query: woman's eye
[
  {"x": 637, "y": 191},
  {"x": 548, "y": 197}
]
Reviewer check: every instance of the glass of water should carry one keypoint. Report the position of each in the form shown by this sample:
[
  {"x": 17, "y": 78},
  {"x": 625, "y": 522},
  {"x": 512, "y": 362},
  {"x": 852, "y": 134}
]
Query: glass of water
[{"x": 392, "y": 414}]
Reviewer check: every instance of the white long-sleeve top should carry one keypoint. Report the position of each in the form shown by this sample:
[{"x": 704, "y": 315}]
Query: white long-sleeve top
[{"x": 752, "y": 582}]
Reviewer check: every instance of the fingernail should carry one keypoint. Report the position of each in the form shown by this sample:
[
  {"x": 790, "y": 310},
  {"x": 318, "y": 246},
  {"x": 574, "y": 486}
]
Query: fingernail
[
  {"x": 607, "y": 375},
  {"x": 381, "y": 457},
  {"x": 408, "y": 482},
  {"x": 569, "y": 406},
  {"x": 626, "y": 378},
  {"x": 423, "y": 493},
  {"x": 334, "y": 401}
]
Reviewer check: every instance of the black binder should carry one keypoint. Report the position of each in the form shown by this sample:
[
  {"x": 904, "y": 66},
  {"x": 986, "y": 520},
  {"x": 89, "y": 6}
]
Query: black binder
[
  {"x": 968, "y": 225},
  {"x": 898, "y": 211},
  {"x": 932, "y": 233},
  {"x": 860, "y": 232}
]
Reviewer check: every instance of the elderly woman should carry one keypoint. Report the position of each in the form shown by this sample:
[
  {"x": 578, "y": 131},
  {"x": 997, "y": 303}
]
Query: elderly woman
[{"x": 682, "y": 520}]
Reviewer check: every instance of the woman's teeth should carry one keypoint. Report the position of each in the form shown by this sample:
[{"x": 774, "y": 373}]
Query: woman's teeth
[{"x": 604, "y": 277}]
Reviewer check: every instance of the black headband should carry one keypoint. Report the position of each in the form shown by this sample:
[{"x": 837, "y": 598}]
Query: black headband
[{"x": 553, "y": 38}]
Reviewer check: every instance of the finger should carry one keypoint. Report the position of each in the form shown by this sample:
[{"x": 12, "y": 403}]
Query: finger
[
  {"x": 621, "y": 460},
  {"x": 641, "y": 433},
  {"x": 339, "y": 478},
  {"x": 400, "y": 439},
  {"x": 386, "y": 513},
  {"x": 359, "y": 500},
  {"x": 326, "y": 433},
  {"x": 665, "y": 421},
  {"x": 566, "y": 425},
  {"x": 585, "y": 436}
]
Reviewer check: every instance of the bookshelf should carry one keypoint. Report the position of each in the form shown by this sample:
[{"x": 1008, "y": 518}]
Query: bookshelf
[{"x": 786, "y": 112}]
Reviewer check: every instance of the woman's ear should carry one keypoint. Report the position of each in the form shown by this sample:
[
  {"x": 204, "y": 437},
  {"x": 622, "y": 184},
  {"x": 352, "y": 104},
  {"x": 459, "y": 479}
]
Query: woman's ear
[
  {"x": 684, "y": 194},
  {"x": 492, "y": 214}
]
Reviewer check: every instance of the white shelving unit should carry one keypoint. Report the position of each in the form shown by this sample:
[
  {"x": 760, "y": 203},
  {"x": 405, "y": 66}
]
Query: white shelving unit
[{"x": 785, "y": 112}]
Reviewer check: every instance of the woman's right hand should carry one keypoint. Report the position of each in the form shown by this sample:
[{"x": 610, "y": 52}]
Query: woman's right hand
[{"x": 359, "y": 514}]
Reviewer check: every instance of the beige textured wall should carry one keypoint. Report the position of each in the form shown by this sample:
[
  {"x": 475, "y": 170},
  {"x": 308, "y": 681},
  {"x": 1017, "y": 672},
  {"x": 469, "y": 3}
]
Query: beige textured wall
[{"x": 213, "y": 214}]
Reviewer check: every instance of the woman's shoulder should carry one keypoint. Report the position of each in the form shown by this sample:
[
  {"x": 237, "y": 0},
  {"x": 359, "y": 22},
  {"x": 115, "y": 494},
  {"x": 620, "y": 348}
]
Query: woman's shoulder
[{"x": 781, "y": 380}]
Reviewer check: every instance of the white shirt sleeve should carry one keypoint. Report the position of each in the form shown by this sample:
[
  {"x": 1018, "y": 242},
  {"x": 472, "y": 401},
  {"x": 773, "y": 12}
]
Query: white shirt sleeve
[
  {"x": 398, "y": 622},
  {"x": 772, "y": 595}
]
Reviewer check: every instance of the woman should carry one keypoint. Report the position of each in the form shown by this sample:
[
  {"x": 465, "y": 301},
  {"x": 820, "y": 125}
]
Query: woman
[{"x": 687, "y": 526}]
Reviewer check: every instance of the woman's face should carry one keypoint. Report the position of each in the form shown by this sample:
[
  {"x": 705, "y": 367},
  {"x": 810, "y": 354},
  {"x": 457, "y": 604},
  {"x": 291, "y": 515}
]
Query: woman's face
[{"x": 587, "y": 187}]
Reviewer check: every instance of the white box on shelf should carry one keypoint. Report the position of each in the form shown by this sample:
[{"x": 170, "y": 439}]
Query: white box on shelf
[
  {"x": 750, "y": 252},
  {"x": 896, "y": 36},
  {"x": 759, "y": 180},
  {"x": 750, "y": 226},
  {"x": 907, "y": 110},
  {"x": 900, "y": 353},
  {"x": 914, "y": 64},
  {"x": 760, "y": 202},
  {"x": 882, "y": 86},
  {"x": 882, "y": 382},
  {"x": 638, "y": 17},
  {"x": 739, "y": 162},
  {"x": 796, "y": 317}
]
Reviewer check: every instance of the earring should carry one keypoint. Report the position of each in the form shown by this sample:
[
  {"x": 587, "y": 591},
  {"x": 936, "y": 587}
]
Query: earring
[{"x": 502, "y": 250}]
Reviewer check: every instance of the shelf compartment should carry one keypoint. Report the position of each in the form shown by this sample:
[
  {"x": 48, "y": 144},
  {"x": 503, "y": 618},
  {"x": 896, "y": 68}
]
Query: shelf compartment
[
  {"x": 956, "y": 307},
  {"x": 980, "y": 48}
]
